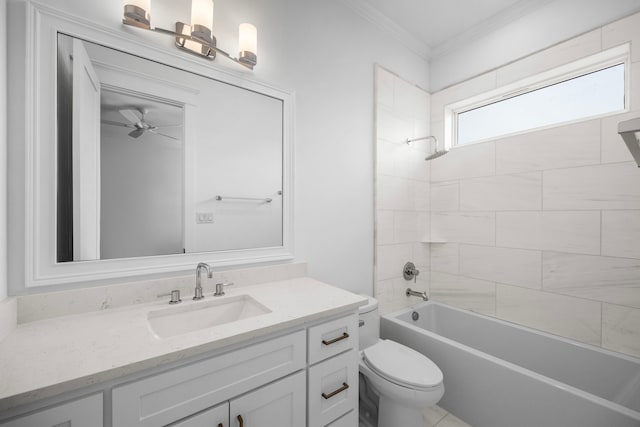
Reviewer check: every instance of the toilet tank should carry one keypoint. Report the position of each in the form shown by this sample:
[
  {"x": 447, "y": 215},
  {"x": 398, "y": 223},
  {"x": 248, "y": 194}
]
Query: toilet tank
[{"x": 369, "y": 323}]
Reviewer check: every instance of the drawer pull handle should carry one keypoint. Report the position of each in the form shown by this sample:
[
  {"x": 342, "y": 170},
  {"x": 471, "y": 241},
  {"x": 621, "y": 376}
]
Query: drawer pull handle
[
  {"x": 333, "y": 393},
  {"x": 240, "y": 421},
  {"x": 344, "y": 336}
]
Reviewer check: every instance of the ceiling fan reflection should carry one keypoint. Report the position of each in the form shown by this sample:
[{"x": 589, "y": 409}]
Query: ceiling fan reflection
[{"x": 140, "y": 126}]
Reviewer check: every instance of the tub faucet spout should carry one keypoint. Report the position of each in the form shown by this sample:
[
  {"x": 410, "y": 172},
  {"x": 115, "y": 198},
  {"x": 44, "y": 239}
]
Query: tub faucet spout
[{"x": 411, "y": 293}]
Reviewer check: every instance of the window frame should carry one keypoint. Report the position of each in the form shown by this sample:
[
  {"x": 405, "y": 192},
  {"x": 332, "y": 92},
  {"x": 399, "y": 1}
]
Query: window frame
[{"x": 587, "y": 65}]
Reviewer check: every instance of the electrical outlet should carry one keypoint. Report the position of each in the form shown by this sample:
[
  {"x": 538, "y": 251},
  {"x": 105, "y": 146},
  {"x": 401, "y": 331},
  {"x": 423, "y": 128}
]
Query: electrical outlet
[{"x": 204, "y": 217}]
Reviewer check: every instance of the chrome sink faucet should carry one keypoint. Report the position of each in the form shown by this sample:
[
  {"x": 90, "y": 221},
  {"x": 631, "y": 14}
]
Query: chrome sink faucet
[{"x": 201, "y": 266}]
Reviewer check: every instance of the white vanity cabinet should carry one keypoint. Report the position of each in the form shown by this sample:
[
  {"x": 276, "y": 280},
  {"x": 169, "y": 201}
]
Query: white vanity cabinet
[
  {"x": 82, "y": 412},
  {"x": 165, "y": 398},
  {"x": 279, "y": 404},
  {"x": 333, "y": 371}
]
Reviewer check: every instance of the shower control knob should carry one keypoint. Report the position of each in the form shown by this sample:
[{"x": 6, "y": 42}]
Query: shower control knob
[{"x": 410, "y": 271}]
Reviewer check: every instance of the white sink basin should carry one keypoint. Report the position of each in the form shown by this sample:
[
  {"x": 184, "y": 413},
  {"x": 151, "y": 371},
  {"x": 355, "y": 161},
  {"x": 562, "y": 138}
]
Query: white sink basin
[{"x": 178, "y": 320}]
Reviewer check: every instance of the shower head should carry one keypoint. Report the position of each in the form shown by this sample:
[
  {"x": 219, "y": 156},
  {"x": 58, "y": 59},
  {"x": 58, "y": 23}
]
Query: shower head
[
  {"x": 630, "y": 132},
  {"x": 436, "y": 154}
]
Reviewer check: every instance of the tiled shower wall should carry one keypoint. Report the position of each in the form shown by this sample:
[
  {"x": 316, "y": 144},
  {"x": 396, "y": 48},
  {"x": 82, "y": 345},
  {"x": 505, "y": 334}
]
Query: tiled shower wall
[
  {"x": 543, "y": 228},
  {"x": 402, "y": 189}
]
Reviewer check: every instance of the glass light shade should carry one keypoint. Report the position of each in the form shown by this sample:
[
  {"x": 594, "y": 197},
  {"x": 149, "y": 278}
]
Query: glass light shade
[
  {"x": 202, "y": 13},
  {"x": 142, "y": 4},
  {"x": 248, "y": 39}
]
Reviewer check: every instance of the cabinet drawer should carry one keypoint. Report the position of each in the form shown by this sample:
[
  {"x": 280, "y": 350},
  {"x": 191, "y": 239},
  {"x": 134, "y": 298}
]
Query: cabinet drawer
[
  {"x": 218, "y": 416},
  {"x": 331, "y": 338},
  {"x": 164, "y": 398},
  {"x": 333, "y": 388},
  {"x": 82, "y": 412},
  {"x": 349, "y": 420}
]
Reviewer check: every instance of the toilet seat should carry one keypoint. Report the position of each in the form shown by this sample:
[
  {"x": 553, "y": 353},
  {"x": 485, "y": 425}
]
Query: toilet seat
[{"x": 402, "y": 365}]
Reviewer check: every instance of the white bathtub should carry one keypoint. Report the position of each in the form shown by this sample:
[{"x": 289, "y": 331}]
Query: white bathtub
[{"x": 499, "y": 374}]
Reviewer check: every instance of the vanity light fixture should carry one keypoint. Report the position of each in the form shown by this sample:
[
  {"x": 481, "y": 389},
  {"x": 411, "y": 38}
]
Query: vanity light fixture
[{"x": 196, "y": 37}]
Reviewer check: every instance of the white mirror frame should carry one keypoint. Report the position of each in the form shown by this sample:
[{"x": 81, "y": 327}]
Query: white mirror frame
[{"x": 32, "y": 154}]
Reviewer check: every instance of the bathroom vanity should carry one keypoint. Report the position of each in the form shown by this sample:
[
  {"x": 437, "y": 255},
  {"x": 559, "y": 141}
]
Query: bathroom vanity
[{"x": 294, "y": 363}]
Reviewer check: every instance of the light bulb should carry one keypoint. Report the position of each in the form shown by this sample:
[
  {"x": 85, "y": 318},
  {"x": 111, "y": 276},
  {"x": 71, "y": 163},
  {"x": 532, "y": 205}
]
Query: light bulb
[
  {"x": 202, "y": 13},
  {"x": 248, "y": 39}
]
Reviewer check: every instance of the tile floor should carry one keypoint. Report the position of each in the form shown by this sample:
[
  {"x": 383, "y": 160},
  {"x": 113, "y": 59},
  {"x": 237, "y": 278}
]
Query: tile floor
[{"x": 438, "y": 417}]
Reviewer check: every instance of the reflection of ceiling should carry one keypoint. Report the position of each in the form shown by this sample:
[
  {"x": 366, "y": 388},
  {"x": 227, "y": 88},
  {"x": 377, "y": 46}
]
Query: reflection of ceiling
[{"x": 158, "y": 114}]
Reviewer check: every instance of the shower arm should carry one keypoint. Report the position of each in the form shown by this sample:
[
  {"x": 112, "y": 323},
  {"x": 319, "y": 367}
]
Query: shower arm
[{"x": 410, "y": 140}]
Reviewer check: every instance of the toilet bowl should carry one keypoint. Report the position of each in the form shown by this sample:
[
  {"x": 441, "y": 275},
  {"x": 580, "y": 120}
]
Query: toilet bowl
[{"x": 405, "y": 381}]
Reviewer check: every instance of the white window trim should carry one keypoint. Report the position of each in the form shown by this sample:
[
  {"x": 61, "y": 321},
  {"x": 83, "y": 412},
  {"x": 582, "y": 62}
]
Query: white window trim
[{"x": 604, "y": 59}]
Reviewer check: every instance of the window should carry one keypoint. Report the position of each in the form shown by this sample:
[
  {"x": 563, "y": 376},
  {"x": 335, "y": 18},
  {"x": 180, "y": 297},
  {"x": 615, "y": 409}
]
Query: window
[{"x": 557, "y": 97}]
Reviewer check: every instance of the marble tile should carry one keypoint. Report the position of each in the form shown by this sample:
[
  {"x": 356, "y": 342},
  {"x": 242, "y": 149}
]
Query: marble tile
[
  {"x": 410, "y": 226},
  {"x": 390, "y": 259},
  {"x": 464, "y": 227},
  {"x": 451, "y": 420},
  {"x": 384, "y": 227},
  {"x": 410, "y": 100},
  {"x": 433, "y": 415},
  {"x": 393, "y": 193},
  {"x": 621, "y": 329},
  {"x": 420, "y": 192},
  {"x": 560, "y": 54},
  {"x": 393, "y": 126},
  {"x": 390, "y": 159},
  {"x": 504, "y": 265},
  {"x": 502, "y": 193},
  {"x": 575, "y": 232},
  {"x": 437, "y": 130},
  {"x": 613, "y": 148},
  {"x": 468, "y": 88},
  {"x": 558, "y": 147},
  {"x": 609, "y": 186},
  {"x": 445, "y": 196},
  {"x": 621, "y": 233},
  {"x": 445, "y": 257},
  {"x": 385, "y": 84},
  {"x": 416, "y": 165},
  {"x": 383, "y": 292},
  {"x": 607, "y": 279},
  {"x": 566, "y": 316},
  {"x": 562, "y": 270},
  {"x": 422, "y": 256},
  {"x": 464, "y": 292},
  {"x": 622, "y": 31},
  {"x": 468, "y": 161},
  {"x": 634, "y": 87}
]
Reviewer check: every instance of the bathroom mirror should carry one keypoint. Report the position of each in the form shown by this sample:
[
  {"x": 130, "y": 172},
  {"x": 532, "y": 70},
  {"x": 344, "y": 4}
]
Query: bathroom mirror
[
  {"x": 131, "y": 158},
  {"x": 124, "y": 152}
]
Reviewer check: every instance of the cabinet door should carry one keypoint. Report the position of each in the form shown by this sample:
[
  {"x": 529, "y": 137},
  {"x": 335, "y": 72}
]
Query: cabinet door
[
  {"x": 82, "y": 412},
  {"x": 333, "y": 388},
  {"x": 217, "y": 416},
  {"x": 281, "y": 404}
]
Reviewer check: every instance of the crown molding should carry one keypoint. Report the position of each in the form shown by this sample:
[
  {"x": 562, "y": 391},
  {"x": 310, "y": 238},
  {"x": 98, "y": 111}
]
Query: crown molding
[
  {"x": 390, "y": 27},
  {"x": 499, "y": 20}
]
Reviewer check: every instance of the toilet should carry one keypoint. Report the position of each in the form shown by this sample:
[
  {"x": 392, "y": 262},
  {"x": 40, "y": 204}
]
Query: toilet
[{"x": 404, "y": 381}]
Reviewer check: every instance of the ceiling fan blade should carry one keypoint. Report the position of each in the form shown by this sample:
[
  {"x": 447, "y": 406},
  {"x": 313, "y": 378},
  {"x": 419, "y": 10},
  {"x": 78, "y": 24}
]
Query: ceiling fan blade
[
  {"x": 136, "y": 133},
  {"x": 124, "y": 125},
  {"x": 153, "y": 131},
  {"x": 168, "y": 126},
  {"x": 130, "y": 115}
]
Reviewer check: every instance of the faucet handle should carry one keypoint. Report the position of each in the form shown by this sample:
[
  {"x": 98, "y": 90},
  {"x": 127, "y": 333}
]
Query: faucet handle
[
  {"x": 220, "y": 288},
  {"x": 175, "y": 296}
]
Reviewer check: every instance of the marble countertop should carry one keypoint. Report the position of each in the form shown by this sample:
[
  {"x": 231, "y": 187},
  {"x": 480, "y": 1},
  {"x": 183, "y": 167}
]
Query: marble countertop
[{"x": 48, "y": 357}]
